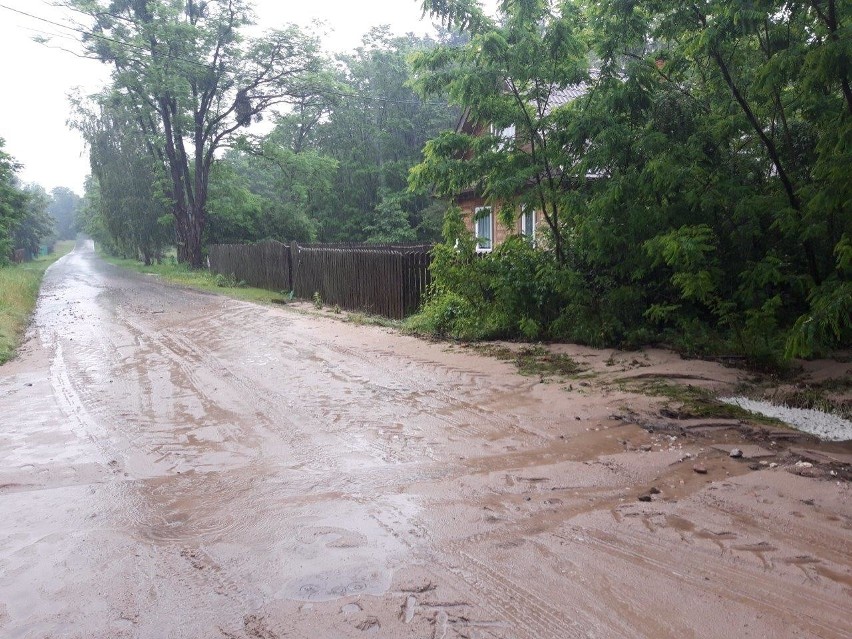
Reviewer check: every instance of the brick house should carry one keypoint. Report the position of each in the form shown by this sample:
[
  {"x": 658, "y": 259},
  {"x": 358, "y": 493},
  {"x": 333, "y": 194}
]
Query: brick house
[{"x": 481, "y": 217}]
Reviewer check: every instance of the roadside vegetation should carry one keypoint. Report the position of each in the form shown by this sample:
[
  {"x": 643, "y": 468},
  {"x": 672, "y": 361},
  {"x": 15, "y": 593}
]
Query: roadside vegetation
[
  {"x": 31, "y": 222},
  {"x": 696, "y": 194},
  {"x": 19, "y": 286}
]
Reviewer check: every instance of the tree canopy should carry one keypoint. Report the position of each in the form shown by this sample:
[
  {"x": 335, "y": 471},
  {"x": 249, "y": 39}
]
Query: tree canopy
[
  {"x": 700, "y": 186},
  {"x": 24, "y": 219},
  {"x": 190, "y": 82}
]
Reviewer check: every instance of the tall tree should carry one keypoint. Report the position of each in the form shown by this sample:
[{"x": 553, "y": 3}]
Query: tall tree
[
  {"x": 35, "y": 226},
  {"x": 194, "y": 82},
  {"x": 63, "y": 209},
  {"x": 12, "y": 202},
  {"x": 373, "y": 127},
  {"x": 132, "y": 211}
]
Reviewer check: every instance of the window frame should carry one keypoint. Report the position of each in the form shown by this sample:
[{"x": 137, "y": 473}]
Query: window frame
[
  {"x": 479, "y": 216},
  {"x": 507, "y": 136},
  {"x": 528, "y": 233}
]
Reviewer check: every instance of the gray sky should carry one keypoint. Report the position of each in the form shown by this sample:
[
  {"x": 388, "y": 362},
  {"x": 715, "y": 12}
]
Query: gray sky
[{"x": 36, "y": 79}]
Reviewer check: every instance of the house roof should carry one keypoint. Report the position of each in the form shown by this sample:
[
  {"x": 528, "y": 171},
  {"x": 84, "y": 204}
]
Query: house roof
[
  {"x": 562, "y": 96},
  {"x": 559, "y": 96}
]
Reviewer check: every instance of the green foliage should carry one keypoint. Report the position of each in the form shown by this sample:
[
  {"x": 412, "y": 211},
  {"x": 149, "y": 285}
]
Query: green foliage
[
  {"x": 12, "y": 203},
  {"x": 373, "y": 134},
  {"x": 125, "y": 206},
  {"x": 827, "y": 323},
  {"x": 190, "y": 82},
  {"x": 35, "y": 226},
  {"x": 699, "y": 192},
  {"x": 228, "y": 281},
  {"x": 63, "y": 209}
]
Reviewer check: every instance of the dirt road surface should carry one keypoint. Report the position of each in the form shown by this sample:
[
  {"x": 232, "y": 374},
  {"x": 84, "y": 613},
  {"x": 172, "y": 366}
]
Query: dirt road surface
[{"x": 181, "y": 465}]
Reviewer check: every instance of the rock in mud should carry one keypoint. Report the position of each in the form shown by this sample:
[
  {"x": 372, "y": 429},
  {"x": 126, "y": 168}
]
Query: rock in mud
[
  {"x": 700, "y": 469},
  {"x": 736, "y": 453}
]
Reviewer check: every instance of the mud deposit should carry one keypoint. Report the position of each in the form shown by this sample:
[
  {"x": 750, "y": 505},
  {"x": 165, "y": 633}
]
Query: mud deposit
[{"x": 175, "y": 464}]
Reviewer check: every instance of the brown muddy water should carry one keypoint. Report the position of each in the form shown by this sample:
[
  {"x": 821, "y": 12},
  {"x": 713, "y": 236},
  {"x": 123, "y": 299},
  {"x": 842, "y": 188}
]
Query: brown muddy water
[{"x": 177, "y": 464}]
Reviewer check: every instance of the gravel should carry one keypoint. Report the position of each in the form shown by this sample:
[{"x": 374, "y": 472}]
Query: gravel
[{"x": 824, "y": 425}]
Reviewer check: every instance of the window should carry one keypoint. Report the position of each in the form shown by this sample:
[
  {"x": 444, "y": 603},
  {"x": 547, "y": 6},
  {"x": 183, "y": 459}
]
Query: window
[
  {"x": 528, "y": 223},
  {"x": 507, "y": 136},
  {"x": 484, "y": 224}
]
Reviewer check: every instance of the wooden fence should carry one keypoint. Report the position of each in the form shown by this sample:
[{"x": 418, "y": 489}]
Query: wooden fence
[
  {"x": 263, "y": 265},
  {"x": 384, "y": 279}
]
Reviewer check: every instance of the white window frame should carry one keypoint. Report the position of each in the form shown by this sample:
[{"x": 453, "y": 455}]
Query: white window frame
[
  {"x": 506, "y": 136},
  {"x": 482, "y": 221},
  {"x": 528, "y": 215}
]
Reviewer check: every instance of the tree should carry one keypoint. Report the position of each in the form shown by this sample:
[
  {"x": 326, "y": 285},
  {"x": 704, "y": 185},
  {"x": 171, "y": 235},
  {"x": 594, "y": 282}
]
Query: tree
[
  {"x": 131, "y": 208},
  {"x": 36, "y": 225},
  {"x": 372, "y": 125},
  {"x": 12, "y": 202},
  {"x": 193, "y": 83},
  {"x": 63, "y": 209},
  {"x": 737, "y": 119}
]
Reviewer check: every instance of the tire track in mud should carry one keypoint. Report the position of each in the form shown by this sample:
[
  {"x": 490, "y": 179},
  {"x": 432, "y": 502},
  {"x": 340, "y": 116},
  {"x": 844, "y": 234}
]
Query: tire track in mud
[
  {"x": 76, "y": 409},
  {"x": 745, "y": 515},
  {"x": 184, "y": 346},
  {"x": 529, "y": 615},
  {"x": 195, "y": 364},
  {"x": 267, "y": 405},
  {"x": 211, "y": 577},
  {"x": 419, "y": 386},
  {"x": 779, "y": 599}
]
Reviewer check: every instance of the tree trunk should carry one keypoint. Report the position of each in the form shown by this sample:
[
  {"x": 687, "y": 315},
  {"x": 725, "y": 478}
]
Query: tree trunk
[
  {"x": 190, "y": 226},
  {"x": 194, "y": 247}
]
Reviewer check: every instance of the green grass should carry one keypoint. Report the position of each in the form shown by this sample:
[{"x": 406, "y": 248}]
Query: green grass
[
  {"x": 19, "y": 286},
  {"x": 533, "y": 360},
  {"x": 201, "y": 279},
  {"x": 691, "y": 402}
]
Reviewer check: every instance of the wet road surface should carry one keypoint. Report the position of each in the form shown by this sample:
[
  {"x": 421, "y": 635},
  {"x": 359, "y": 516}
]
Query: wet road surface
[{"x": 177, "y": 464}]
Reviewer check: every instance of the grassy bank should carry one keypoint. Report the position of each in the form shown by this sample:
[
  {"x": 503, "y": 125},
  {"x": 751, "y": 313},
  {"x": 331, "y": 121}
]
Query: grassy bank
[
  {"x": 19, "y": 285},
  {"x": 202, "y": 279}
]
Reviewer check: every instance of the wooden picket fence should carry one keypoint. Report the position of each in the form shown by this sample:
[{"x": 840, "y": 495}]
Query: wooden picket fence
[
  {"x": 383, "y": 279},
  {"x": 263, "y": 265}
]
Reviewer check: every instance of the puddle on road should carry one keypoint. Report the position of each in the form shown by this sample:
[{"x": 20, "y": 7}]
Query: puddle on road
[{"x": 275, "y": 530}]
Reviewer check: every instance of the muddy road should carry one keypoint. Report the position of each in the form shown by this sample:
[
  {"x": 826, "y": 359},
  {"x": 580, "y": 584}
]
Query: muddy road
[{"x": 176, "y": 464}]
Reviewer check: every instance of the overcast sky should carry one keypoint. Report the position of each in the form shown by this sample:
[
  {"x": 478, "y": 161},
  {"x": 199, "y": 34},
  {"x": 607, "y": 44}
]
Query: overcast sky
[{"x": 36, "y": 79}]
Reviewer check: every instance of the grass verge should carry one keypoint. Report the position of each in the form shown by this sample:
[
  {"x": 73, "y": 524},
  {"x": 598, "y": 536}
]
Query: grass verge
[
  {"x": 200, "y": 279},
  {"x": 692, "y": 402},
  {"x": 19, "y": 286},
  {"x": 533, "y": 360}
]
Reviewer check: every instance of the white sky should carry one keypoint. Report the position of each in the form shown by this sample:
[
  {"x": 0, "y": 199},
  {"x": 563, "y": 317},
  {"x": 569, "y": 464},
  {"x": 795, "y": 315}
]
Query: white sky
[{"x": 37, "y": 79}]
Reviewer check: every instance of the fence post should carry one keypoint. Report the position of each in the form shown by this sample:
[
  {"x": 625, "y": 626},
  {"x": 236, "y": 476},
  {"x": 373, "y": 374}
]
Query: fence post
[{"x": 292, "y": 264}]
